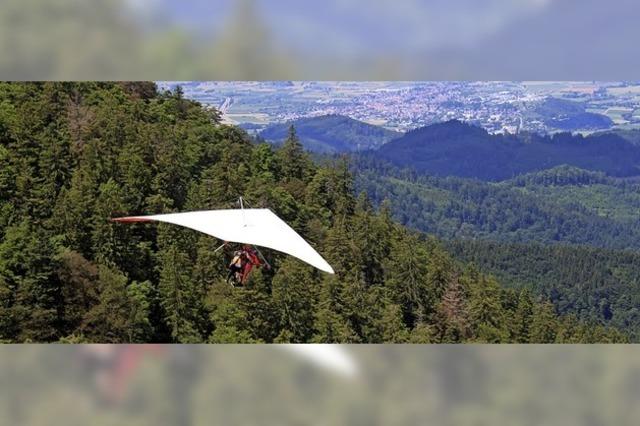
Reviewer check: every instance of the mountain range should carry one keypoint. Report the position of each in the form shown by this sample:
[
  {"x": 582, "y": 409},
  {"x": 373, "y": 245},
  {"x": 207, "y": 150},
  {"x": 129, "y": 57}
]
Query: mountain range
[{"x": 455, "y": 148}]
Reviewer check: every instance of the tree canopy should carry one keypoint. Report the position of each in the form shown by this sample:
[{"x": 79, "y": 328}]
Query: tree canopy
[{"x": 74, "y": 155}]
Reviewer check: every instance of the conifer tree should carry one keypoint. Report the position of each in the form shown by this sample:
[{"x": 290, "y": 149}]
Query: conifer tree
[
  {"x": 544, "y": 324},
  {"x": 30, "y": 290},
  {"x": 116, "y": 317},
  {"x": 294, "y": 300},
  {"x": 231, "y": 323},
  {"x": 179, "y": 297},
  {"x": 330, "y": 320},
  {"x": 71, "y": 217},
  {"x": 522, "y": 316},
  {"x": 405, "y": 276},
  {"x": 293, "y": 160},
  {"x": 486, "y": 313},
  {"x": 422, "y": 333},
  {"x": 393, "y": 328},
  {"x": 78, "y": 277}
]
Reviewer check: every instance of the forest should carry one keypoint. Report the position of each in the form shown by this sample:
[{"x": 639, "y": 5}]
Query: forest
[
  {"x": 596, "y": 285},
  {"x": 74, "y": 155},
  {"x": 562, "y": 204},
  {"x": 567, "y": 235},
  {"x": 331, "y": 133},
  {"x": 455, "y": 148}
]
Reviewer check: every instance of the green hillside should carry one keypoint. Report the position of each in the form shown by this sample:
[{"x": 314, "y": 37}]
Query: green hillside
[
  {"x": 560, "y": 205},
  {"x": 559, "y": 233},
  {"x": 458, "y": 149},
  {"x": 594, "y": 284},
  {"x": 563, "y": 114},
  {"x": 73, "y": 155},
  {"x": 332, "y": 134}
]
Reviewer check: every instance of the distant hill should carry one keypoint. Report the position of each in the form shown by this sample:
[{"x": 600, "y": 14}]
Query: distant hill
[
  {"x": 454, "y": 148},
  {"x": 631, "y": 135},
  {"x": 561, "y": 176},
  {"x": 564, "y": 114},
  {"x": 332, "y": 134}
]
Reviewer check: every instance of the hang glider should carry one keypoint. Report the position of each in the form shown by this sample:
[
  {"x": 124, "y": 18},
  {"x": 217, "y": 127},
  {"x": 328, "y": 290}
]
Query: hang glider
[{"x": 258, "y": 227}]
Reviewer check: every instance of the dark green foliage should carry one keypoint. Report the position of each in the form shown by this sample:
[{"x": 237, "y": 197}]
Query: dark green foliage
[
  {"x": 454, "y": 148},
  {"x": 294, "y": 301},
  {"x": 566, "y": 115},
  {"x": 332, "y": 134},
  {"x": 74, "y": 155},
  {"x": 595, "y": 285},
  {"x": 29, "y": 287},
  {"x": 563, "y": 204}
]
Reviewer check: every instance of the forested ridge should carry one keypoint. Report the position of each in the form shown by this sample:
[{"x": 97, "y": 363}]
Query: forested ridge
[
  {"x": 559, "y": 205},
  {"x": 568, "y": 235},
  {"x": 73, "y": 155},
  {"x": 597, "y": 285},
  {"x": 454, "y": 148},
  {"x": 331, "y": 133}
]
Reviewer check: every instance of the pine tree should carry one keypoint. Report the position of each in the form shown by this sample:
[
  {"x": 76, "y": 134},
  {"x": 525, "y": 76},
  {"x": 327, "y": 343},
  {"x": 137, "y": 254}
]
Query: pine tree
[
  {"x": 406, "y": 277},
  {"x": 438, "y": 276},
  {"x": 294, "y": 300},
  {"x": 140, "y": 295},
  {"x": 544, "y": 324},
  {"x": 372, "y": 242},
  {"x": 109, "y": 240},
  {"x": 30, "y": 289},
  {"x": 393, "y": 328},
  {"x": 486, "y": 313},
  {"x": 330, "y": 319},
  {"x": 72, "y": 212},
  {"x": 179, "y": 297},
  {"x": 261, "y": 311},
  {"x": 231, "y": 322},
  {"x": 292, "y": 158},
  {"x": 422, "y": 333},
  {"x": 116, "y": 317},
  {"x": 78, "y": 277},
  {"x": 522, "y": 317}
]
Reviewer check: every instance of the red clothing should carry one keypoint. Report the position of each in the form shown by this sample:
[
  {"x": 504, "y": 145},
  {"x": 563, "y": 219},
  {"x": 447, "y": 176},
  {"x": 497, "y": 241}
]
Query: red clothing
[{"x": 251, "y": 259}]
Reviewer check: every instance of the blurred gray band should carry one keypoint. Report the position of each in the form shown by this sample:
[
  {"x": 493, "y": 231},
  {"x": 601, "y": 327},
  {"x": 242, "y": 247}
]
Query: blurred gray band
[
  {"x": 329, "y": 40},
  {"x": 236, "y": 384}
]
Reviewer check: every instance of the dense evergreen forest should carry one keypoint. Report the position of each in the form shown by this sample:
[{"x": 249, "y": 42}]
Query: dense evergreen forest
[
  {"x": 563, "y": 204},
  {"x": 73, "y": 155},
  {"x": 331, "y": 133},
  {"x": 454, "y": 148},
  {"x": 568, "y": 235},
  {"x": 596, "y": 285}
]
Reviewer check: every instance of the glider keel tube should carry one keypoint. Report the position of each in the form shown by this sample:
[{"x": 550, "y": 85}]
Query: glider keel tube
[
  {"x": 259, "y": 227},
  {"x": 131, "y": 219}
]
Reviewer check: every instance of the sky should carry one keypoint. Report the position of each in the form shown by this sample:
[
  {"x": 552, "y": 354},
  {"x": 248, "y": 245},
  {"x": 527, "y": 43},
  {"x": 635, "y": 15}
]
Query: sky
[{"x": 330, "y": 40}]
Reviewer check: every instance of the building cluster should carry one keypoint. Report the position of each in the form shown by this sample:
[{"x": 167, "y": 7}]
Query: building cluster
[{"x": 499, "y": 107}]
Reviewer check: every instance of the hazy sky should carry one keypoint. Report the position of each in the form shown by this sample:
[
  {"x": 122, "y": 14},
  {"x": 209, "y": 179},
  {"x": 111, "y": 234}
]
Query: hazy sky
[{"x": 349, "y": 25}]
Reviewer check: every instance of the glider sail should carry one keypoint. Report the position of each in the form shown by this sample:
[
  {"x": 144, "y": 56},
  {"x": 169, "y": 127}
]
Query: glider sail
[{"x": 259, "y": 227}]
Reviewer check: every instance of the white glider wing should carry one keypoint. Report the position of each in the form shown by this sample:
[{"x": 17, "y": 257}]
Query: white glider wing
[{"x": 259, "y": 227}]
